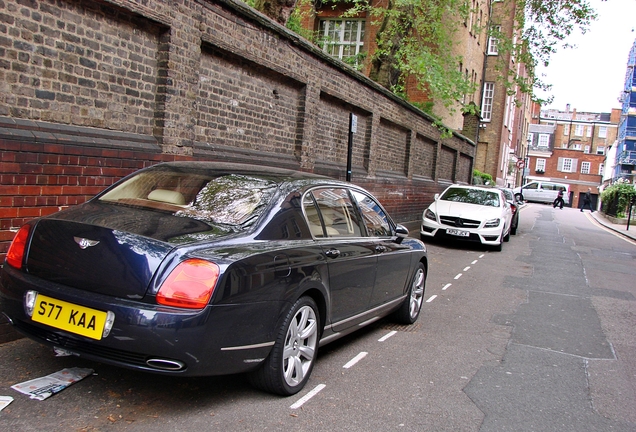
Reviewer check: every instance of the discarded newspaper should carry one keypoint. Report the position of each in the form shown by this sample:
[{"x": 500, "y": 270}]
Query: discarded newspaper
[{"x": 44, "y": 387}]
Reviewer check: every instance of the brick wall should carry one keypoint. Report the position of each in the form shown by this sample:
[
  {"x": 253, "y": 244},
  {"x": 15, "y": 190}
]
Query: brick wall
[{"x": 91, "y": 91}]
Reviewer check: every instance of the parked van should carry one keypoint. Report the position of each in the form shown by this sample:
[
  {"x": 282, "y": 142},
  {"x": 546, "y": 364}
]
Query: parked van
[{"x": 542, "y": 191}]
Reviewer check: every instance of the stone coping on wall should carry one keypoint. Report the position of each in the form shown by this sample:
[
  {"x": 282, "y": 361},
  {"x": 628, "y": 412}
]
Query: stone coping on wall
[{"x": 34, "y": 131}]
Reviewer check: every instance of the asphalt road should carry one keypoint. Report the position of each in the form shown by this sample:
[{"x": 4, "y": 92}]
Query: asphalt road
[{"x": 539, "y": 337}]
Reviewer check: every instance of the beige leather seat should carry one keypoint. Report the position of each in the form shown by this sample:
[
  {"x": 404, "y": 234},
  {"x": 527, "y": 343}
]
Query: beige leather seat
[{"x": 167, "y": 196}]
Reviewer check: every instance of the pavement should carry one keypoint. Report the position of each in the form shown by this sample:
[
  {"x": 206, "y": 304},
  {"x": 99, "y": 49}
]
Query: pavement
[{"x": 629, "y": 232}]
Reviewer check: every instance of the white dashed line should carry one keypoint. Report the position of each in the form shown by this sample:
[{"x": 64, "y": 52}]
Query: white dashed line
[
  {"x": 466, "y": 268},
  {"x": 431, "y": 299},
  {"x": 474, "y": 262},
  {"x": 458, "y": 276},
  {"x": 308, "y": 396},
  {"x": 446, "y": 286},
  {"x": 355, "y": 360},
  {"x": 386, "y": 336},
  {"x": 482, "y": 255}
]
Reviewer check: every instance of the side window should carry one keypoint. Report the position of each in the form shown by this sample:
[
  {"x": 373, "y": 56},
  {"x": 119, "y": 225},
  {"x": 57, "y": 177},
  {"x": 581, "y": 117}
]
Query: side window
[
  {"x": 548, "y": 186},
  {"x": 331, "y": 209},
  {"x": 532, "y": 186},
  {"x": 375, "y": 219}
]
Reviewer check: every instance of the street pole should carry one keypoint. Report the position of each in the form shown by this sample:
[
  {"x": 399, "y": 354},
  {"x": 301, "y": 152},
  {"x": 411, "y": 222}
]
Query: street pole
[{"x": 353, "y": 126}]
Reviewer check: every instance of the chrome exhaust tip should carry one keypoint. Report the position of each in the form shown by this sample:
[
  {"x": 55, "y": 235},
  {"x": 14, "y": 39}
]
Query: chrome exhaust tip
[{"x": 164, "y": 364}]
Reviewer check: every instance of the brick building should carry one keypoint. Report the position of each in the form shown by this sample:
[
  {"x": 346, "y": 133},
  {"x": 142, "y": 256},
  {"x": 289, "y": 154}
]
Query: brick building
[
  {"x": 505, "y": 110},
  {"x": 570, "y": 147},
  {"x": 353, "y": 39}
]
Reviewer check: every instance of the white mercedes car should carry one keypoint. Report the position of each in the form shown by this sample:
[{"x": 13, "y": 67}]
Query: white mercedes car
[{"x": 469, "y": 213}]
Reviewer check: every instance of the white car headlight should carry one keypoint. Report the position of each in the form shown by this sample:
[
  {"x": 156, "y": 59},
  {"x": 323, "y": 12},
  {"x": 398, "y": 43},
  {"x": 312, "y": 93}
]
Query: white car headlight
[
  {"x": 492, "y": 223},
  {"x": 428, "y": 214}
]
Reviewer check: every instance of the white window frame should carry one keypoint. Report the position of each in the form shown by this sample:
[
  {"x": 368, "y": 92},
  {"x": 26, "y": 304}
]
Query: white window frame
[
  {"x": 333, "y": 33},
  {"x": 487, "y": 101},
  {"x": 576, "y": 146},
  {"x": 540, "y": 165},
  {"x": 586, "y": 167},
  {"x": 530, "y": 138},
  {"x": 587, "y": 149},
  {"x": 602, "y": 131},
  {"x": 493, "y": 42},
  {"x": 567, "y": 164},
  {"x": 544, "y": 141},
  {"x": 600, "y": 150},
  {"x": 566, "y": 129},
  {"x": 578, "y": 130},
  {"x": 601, "y": 167},
  {"x": 589, "y": 132}
]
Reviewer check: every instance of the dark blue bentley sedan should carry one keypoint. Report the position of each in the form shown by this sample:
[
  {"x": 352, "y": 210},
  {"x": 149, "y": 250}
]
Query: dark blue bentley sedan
[{"x": 201, "y": 268}]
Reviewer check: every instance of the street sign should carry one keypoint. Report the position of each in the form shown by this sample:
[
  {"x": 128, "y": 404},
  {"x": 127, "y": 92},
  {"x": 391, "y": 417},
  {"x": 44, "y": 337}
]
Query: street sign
[{"x": 520, "y": 164}]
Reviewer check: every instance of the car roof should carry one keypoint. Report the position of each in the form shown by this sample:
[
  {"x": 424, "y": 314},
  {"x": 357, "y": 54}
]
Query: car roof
[
  {"x": 212, "y": 167},
  {"x": 480, "y": 187}
]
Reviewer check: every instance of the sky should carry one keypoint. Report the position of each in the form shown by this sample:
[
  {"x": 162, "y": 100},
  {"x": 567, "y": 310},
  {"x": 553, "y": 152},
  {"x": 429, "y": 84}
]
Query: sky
[{"x": 591, "y": 77}]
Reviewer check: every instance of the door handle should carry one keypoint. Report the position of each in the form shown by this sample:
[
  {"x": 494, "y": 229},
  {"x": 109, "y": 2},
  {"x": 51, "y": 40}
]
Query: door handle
[{"x": 332, "y": 253}]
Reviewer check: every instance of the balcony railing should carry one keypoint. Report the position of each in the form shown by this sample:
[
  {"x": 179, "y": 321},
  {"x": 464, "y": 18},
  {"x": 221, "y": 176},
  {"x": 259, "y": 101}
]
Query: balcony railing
[{"x": 627, "y": 158}]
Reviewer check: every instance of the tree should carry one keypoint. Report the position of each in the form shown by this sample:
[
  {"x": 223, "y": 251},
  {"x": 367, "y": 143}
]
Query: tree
[{"x": 416, "y": 38}]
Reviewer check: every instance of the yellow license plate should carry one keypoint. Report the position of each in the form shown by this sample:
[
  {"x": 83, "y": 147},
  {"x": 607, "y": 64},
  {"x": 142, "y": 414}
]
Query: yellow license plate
[{"x": 68, "y": 316}]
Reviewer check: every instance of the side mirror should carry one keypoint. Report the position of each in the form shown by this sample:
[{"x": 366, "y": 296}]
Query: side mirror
[{"x": 401, "y": 232}]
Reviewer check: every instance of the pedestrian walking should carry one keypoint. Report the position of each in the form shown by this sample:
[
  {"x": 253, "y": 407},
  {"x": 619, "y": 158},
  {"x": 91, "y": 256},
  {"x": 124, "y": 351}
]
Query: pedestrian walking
[
  {"x": 587, "y": 200},
  {"x": 558, "y": 201}
]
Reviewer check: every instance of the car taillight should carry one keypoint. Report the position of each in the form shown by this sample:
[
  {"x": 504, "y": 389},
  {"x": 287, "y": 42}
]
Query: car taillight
[
  {"x": 190, "y": 285},
  {"x": 15, "y": 254},
  {"x": 514, "y": 209}
]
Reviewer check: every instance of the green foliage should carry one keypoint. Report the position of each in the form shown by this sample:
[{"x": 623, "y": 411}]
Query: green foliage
[
  {"x": 616, "y": 198},
  {"x": 481, "y": 178},
  {"x": 294, "y": 23},
  {"x": 417, "y": 38}
]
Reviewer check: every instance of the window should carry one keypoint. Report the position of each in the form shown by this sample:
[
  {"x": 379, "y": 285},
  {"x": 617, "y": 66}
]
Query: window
[
  {"x": 602, "y": 132},
  {"x": 587, "y": 149},
  {"x": 585, "y": 167},
  {"x": 578, "y": 130},
  {"x": 544, "y": 140},
  {"x": 600, "y": 169},
  {"x": 600, "y": 150},
  {"x": 493, "y": 41},
  {"x": 589, "y": 131},
  {"x": 342, "y": 38},
  {"x": 530, "y": 138},
  {"x": 540, "y": 165},
  {"x": 331, "y": 213},
  {"x": 576, "y": 146},
  {"x": 567, "y": 164},
  {"x": 566, "y": 129},
  {"x": 486, "y": 103},
  {"x": 375, "y": 219}
]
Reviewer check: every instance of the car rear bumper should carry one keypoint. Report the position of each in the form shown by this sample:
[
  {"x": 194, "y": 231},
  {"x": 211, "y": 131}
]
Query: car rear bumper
[{"x": 217, "y": 340}]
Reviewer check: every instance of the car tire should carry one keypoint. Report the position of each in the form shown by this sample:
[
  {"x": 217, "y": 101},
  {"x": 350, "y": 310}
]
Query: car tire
[
  {"x": 513, "y": 230},
  {"x": 499, "y": 247},
  {"x": 410, "y": 308},
  {"x": 289, "y": 364}
]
